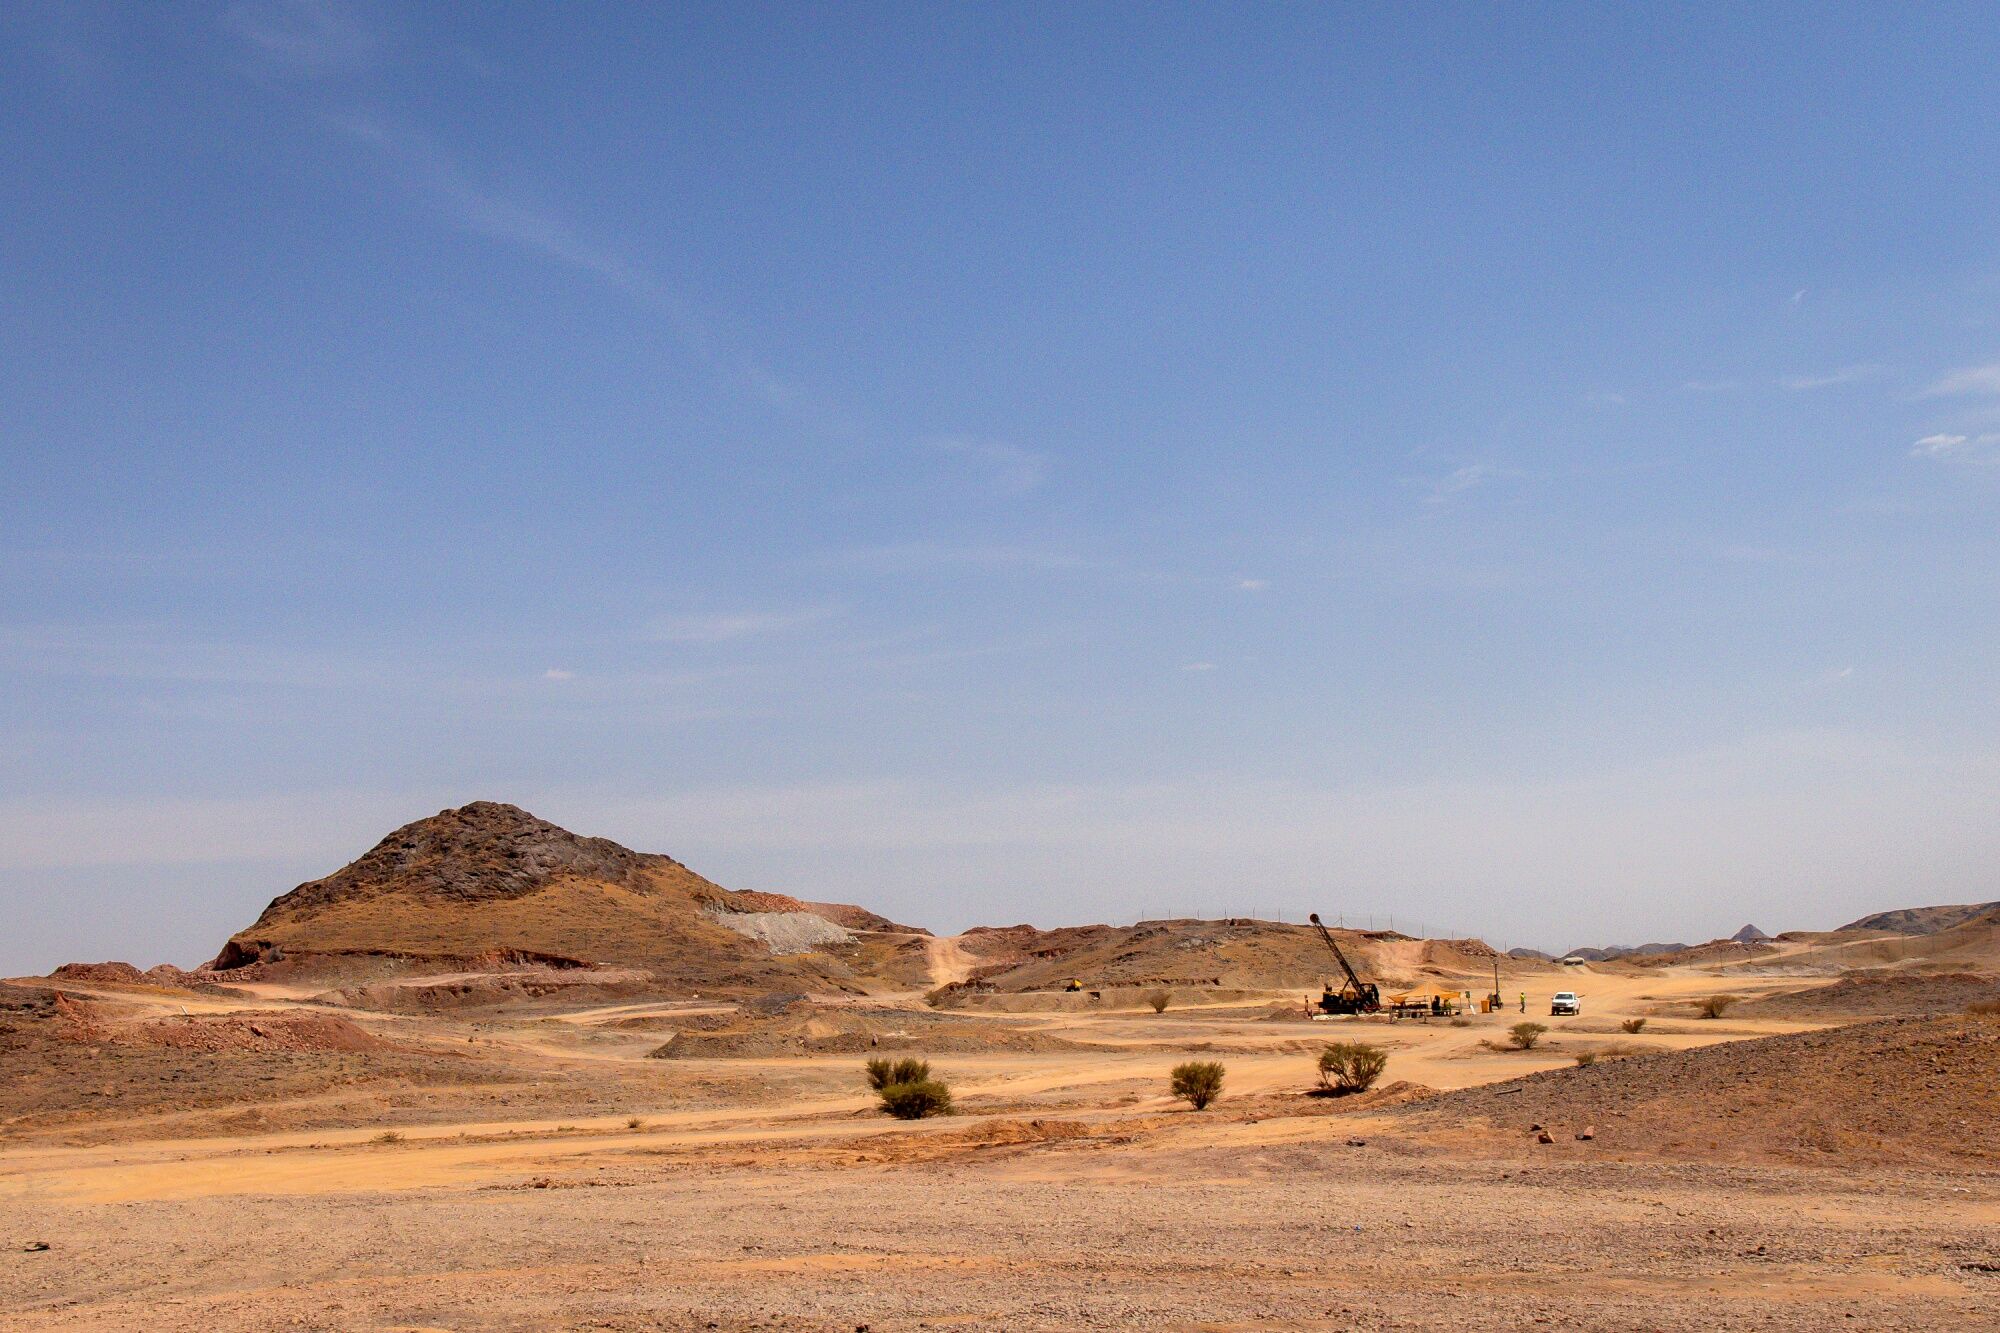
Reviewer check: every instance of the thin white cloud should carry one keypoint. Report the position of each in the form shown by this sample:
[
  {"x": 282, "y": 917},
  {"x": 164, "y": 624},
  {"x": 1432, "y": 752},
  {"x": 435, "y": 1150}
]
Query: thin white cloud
[
  {"x": 558, "y": 673},
  {"x": 917, "y": 557},
  {"x": 1711, "y": 386},
  {"x": 725, "y": 626},
  {"x": 1937, "y": 446},
  {"x": 1014, "y": 470},
  {"x": 1198, "y": 666},
  {"x": 1969, "y": 380},
  {"x": 1982, "y": 449},
  {"x": 1253, "y": 585},
  {"x": 1799, "y": 296},
  {"x": 295, "y": 38},
  {"x": 1845, "y": 375},
  {"x": 1460, "y": 480}
]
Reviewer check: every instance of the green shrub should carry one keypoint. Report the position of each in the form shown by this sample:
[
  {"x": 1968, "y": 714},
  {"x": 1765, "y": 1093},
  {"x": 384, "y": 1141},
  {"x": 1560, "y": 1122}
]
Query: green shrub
[
  {"x": 882, "y": 1071},
  {"x": 1198, "y": 1082},
  {"x": 1715, "y": 1006},
  {"x": 1351, "y": 1066},
  {"x": 915, "y": 1101},
  {"x": 1523, "y": 1036},
  {"x": 1633, "y": 1025},
  {"x": 1159, "y": 999}
]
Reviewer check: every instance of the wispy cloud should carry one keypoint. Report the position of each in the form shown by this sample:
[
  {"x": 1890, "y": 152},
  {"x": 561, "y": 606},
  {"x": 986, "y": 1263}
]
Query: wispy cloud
[
  {"x": 1014, "y": 470},
  {"x": 1937, "y": 446},
  {"x": 724, "y": 626},
  {"x": 1460, "y": 480},
  {"x": 1845, "y": 375},
  {"x": 1983, "y": 448},
  {"x": 559, "y": 673},
  {"x": 1252, "y": 585},
  {"x": 1711, "y": 386},
  {"x": 1198, "y": 666},
  {"x": 1969, "y": 380},
  {"x": 920, "y": 556},
  {"x": 294, "y": 38}
]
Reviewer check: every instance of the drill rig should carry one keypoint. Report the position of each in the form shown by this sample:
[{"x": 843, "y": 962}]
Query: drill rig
[{"x": 1355, "y": 996}]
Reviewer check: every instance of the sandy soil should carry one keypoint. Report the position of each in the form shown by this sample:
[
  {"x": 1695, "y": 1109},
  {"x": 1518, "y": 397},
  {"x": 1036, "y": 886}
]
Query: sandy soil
[{"x": 535, "y": 1170}]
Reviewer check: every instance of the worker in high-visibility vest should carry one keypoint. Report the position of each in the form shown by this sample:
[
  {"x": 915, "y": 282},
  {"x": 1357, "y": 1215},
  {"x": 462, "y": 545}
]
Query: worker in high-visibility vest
[{"x": 1524, "y": 1002}]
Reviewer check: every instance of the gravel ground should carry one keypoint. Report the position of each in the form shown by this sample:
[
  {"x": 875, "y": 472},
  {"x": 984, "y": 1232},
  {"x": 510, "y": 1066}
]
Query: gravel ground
[{"x": 1316, "y": 1234}]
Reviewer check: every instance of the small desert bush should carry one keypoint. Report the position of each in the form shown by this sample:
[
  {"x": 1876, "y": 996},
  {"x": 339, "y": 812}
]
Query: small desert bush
[
  {"x": 1461, "y": 1022},
  {"x": 915, "y": 1101},
  {"x": 882, "y": 1071},
  {"x": 1198, "y": 1082},
  {"x": 1987, "y": 1007},
  {"x": 635, "y": 1123},
  {"x": 1715, "y": 1006},
  {"x": 388, "y": 1136},
  {"x": 1159, "y": 999},
  {"x": 1584, "y": 1059},
  {"x": 1633, "y": 1025},
  {"x": 1523, "y": 1036},
  {"x": 906, "y": 1087},
  {"x": 1351, "y": 1066}
]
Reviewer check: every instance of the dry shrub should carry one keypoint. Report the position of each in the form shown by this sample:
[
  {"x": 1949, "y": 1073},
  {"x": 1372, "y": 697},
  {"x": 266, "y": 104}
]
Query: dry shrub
[
  {"x": 915, "y": 1101},
  {"x": 1159, "y": 999},
  {"x": 1584, "y": 1059},
  {"x": 1983, "y": 1007},
  {"x": 1523, "y": 1036},
  {"x": 882, "y": 1071},
  {"x": 1715, "y": 1006},
  {"x": 1351, "y": 1066},
  {"x": 906, "y": 1087},
  {"x": 1633, "y": 1025},
  {"x": 635, "y": 1123},
  {"x": 1198, "y": 1082},
  {"x": 387, "y": 1136}
]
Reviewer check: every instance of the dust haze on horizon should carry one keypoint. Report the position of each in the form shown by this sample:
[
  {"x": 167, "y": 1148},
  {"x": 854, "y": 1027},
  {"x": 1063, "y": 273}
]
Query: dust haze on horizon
[{"x": 1529, "y": 474}]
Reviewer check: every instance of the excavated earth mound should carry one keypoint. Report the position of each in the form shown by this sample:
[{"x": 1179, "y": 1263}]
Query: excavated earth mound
[
  {"x": 1910, "y": 1090},
  {"x": 804, "y": 1029},
  {"x": 257, "y": 1030},
  {"x": 1878, "y": 994},
  {"x": 421, "y": 995}
]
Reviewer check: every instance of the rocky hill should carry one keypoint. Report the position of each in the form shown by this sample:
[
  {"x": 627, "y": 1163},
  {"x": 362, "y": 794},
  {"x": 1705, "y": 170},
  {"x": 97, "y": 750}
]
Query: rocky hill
[
  {"x": 1238, "y": 953},
  {"x": 1923, "y": 920},
  {"x": 488, "y": 884}
]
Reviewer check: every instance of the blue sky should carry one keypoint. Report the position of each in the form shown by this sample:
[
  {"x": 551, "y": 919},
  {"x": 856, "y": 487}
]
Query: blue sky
[{"x": 1531, "y": 471}]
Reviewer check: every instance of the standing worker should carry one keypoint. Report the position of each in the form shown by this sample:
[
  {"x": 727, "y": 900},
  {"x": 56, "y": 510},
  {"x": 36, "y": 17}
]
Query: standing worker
[{"x": 1524, "y": 1002}]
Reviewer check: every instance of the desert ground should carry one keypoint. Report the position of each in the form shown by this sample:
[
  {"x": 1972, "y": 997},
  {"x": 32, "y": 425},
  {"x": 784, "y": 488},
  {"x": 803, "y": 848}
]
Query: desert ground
[{"x": 255, "y": 1156}]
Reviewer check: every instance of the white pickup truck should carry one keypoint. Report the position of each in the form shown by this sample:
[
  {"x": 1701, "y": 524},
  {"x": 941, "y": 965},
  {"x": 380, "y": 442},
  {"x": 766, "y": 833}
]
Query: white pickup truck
[{"x": 1567, "y": 1003}]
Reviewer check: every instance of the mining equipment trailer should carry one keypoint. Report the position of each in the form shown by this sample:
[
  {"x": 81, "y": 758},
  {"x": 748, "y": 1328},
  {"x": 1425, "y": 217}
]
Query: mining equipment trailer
[{"x": 1355, "y": 996}]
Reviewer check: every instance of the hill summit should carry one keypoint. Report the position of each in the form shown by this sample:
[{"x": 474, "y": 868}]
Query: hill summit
[{"x": 479, "y": 852}]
